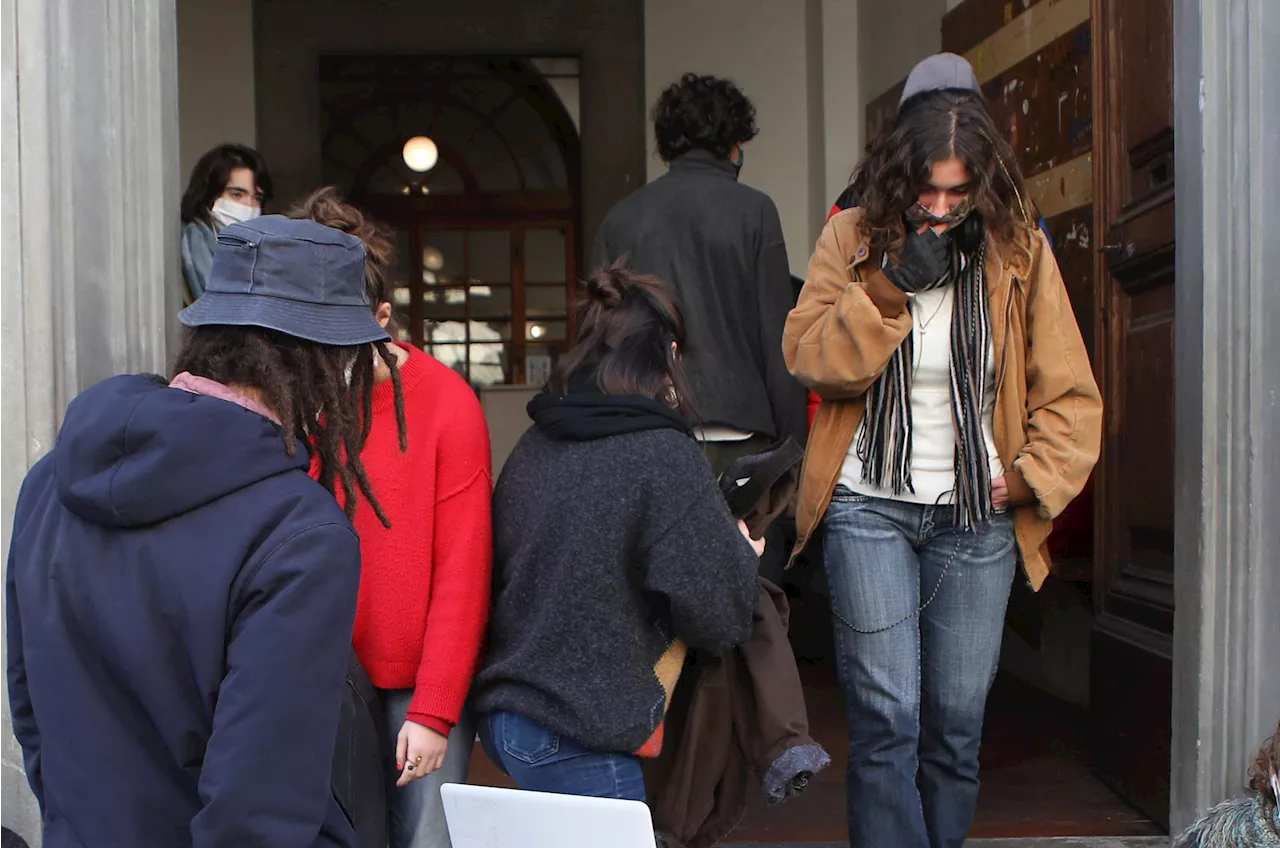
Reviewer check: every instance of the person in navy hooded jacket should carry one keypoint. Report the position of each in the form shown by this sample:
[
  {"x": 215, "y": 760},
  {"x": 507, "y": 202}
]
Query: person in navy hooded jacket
[{"x": 180, "y": 592}]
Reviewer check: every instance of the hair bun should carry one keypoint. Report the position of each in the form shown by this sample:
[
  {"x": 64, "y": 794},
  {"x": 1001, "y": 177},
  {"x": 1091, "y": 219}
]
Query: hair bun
[
  {"x": 608, "y": 285},
  {"x": 328, "y": 207}
]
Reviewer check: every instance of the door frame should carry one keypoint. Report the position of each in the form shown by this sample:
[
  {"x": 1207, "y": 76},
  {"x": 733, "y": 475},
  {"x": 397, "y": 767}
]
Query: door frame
[
  {"x": 1135, "y": 292},
  {"x": 1227, "y": 428}
]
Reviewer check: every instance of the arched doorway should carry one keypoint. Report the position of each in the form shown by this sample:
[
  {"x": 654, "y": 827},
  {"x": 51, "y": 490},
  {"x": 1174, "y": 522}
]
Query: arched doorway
[{"x": 486, "y": 244}]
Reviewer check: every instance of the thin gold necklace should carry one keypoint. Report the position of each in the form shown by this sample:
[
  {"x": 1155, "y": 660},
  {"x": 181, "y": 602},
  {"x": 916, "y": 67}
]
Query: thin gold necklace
[{"x": 924, "y": 324}]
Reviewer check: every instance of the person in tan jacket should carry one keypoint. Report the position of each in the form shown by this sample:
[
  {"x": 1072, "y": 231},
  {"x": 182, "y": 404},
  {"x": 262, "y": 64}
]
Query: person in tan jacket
[{"x": 959, "y": 415}]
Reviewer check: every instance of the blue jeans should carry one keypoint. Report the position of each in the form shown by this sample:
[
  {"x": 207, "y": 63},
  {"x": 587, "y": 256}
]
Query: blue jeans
[
  {"x": 417, "y": 811},
  {"x": 919, "y": 612},
  {"x": 542, "y": 761}
]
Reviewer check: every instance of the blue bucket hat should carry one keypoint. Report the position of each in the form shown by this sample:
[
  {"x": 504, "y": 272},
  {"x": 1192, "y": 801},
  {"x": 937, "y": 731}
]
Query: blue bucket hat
[{"x": 297, "y": 277}]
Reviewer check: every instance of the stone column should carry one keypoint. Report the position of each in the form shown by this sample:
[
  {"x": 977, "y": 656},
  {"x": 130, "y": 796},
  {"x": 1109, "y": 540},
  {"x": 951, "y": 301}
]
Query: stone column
[
  {"x": 1227, "y": 365},
  {"x": 90, "y": 230}
]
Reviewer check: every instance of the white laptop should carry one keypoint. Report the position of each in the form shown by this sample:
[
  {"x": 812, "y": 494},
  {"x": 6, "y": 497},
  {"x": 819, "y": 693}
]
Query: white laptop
[{"x": 485, "y": 817}]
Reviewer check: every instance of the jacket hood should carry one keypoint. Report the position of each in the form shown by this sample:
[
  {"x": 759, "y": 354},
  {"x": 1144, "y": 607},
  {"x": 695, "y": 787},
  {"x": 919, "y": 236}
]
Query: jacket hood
[{"x": 134, "y": 452}]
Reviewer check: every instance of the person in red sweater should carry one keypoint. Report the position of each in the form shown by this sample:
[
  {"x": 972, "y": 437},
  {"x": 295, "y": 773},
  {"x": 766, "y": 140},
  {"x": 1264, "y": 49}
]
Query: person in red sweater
[{"x": 426, "y": 562}]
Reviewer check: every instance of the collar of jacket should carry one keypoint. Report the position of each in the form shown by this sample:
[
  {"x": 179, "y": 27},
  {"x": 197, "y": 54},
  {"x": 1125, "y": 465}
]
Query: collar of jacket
[
  {"x": 1003, "y": 265},
  {"x": 704, "y": 162},
  {"x": 1007, "y": 269}
]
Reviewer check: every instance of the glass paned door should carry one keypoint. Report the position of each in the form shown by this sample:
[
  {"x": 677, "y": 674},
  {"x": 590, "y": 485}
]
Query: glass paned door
[
  {"x": 547, "y": 285},
  {"x": 402, "y": 287},
  {"x": 466, "y": 301},
  {"x": 489, "y": 301}
]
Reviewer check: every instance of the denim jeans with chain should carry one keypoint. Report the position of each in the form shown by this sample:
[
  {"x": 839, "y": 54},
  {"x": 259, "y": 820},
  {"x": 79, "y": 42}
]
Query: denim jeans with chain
[{"x": 919, "y": 611}]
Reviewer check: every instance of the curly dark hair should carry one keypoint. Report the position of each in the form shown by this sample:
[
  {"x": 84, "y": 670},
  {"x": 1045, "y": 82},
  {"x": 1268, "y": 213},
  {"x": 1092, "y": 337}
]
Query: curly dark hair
[
  {"x": 932, "y": 127},
  {"x": 1266, "y": 764},
  {"x": 625, "y": 324},
  {"x": 305, "y": 384},
  {"x": 327, "y": 206},
  {"x": 702, "y": 113},
  {"x": 210, "y": 175}
]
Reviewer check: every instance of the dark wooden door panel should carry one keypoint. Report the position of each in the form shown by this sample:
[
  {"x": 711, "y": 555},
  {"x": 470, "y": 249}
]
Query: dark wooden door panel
[
  {"x": 1143, "y": 45},
  {"x": 1146, "y": 442},
  {"x": 1131, "y": 735},
  {"x": 1131, "y": 668}
]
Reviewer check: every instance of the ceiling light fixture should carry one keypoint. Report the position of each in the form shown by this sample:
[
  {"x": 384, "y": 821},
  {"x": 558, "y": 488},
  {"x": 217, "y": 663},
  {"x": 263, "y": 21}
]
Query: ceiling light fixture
[{"x": 420, "y": 154}]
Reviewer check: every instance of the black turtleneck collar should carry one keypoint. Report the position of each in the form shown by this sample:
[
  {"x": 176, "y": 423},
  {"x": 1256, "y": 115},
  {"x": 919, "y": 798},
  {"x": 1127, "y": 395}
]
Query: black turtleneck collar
[
  {"x": 587, "y": 416},
  {"x": 704, "y": 162}
]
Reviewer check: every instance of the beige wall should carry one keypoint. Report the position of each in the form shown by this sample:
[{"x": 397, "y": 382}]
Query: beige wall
[
  {"x": 215, "y": 77},
  {"x": 504, "y": 411},
  {"x": 891, "y": 42},
  {"x": 842, "y": 100},
  {"x": 765, "y": 51}
]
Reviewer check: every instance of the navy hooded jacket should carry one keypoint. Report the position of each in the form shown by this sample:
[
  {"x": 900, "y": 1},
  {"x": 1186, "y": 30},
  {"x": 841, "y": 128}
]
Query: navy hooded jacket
[{"x": 180, "y": 604}]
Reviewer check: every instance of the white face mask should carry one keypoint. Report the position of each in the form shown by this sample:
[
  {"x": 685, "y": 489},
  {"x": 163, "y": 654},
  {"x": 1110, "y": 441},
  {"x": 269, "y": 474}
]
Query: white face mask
[{"x": 227, "y": 212}]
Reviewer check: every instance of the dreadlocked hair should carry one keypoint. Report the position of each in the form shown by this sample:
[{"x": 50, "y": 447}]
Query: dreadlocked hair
[
  {"x": 305, "y": 384},
  {"x": 327, "y": 206}
]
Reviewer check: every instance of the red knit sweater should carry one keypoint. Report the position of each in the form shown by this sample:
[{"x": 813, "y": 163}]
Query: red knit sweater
[{"x": 424, "y": 583}]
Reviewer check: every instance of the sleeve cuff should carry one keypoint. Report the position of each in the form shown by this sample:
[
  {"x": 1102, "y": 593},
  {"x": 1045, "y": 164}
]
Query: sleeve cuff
[
  {"x": 1020, "y": 494},
  {"x": 888, "y": 298},
  {"x": 439, "y": 725}
]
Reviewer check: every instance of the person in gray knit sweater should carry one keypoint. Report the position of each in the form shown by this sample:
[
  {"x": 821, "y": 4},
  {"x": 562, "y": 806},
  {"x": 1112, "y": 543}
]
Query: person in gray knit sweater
[
  {"x": 614, "y": 552},
  {"x": 1250, "y": 821}
]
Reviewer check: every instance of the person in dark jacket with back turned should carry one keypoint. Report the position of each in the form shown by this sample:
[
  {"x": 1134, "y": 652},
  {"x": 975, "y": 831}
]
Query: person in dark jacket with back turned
[
  {"x": 180, "y": 592},
  {"x": 614, "y": 552},
  {"x": 719, "y": 245}
]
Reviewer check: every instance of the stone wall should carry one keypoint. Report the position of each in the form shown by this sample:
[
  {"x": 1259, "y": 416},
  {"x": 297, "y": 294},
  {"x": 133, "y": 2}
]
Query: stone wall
[{"x": 90, "y": 230}]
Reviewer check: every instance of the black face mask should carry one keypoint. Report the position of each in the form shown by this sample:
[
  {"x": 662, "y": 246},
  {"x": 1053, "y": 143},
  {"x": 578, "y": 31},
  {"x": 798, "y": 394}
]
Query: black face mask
[
  {"x": 964, "y": 224},
  {"x": 918, "y": 216}
]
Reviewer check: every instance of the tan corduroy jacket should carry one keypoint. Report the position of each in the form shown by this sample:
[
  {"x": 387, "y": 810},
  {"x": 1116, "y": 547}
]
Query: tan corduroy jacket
[{"x": 1048, "y": 412}]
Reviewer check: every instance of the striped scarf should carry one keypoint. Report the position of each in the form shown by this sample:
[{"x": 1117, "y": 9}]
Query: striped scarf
[{"x": 884, "y": 443}]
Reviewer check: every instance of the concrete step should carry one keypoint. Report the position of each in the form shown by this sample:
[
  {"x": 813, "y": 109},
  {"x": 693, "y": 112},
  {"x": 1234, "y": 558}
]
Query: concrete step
[
  {"x": 1073, "y": 842},
  {"x": 1035, "y": 842}
]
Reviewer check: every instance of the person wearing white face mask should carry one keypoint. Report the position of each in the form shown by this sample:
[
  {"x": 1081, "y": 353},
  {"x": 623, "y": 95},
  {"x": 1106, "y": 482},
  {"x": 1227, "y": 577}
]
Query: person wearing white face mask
[{"x": 229, "y": 185}]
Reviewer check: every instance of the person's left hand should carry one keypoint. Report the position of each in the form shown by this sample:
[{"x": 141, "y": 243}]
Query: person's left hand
[
  {"x": 999, "y": 493},
  {"x": 757, "y": 545},
  {"x": 419, "y": 751}
]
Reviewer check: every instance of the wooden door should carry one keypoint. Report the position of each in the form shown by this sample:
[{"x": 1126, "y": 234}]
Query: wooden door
[{"x": 1131, "y": 662}]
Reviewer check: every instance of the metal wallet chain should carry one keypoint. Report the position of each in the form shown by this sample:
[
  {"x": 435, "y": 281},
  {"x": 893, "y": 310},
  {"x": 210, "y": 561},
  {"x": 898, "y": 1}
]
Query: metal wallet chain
[{"x": 910, "y": 615}]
